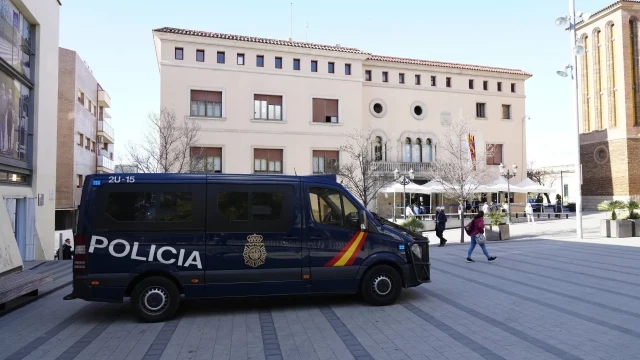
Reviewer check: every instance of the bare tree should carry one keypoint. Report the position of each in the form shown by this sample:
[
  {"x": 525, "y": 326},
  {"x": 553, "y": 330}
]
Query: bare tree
[
  {"x": 542, "y": 177},
  {"x": 360, "y": 173},
  {"x": 455, "y": 171},
  {"x": 167, "y": 146}
]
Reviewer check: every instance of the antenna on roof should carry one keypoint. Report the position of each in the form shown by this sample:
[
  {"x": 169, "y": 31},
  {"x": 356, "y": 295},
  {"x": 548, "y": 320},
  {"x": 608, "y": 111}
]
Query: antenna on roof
[
  {"x": 291, "y": 21},
  {"x": 295, "y": 172}
]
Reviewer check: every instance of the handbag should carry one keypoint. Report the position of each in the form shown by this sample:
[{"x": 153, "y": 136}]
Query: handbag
[{"x": 480, "y": 239}]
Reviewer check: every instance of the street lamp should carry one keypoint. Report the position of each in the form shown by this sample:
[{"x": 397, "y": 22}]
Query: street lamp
[
  {"x": 402, "y": 180},
  {"x": 577, "y": 49},
  {"x": 508, "y": 174}
]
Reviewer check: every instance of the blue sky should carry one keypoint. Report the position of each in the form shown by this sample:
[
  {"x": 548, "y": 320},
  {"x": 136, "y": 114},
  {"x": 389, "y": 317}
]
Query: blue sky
[{"x": 114, "y": 39}]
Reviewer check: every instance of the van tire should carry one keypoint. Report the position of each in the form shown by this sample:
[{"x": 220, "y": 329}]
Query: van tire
[
  {"x": 381, "y": 285},
  {"x": 155, "y": 299}
]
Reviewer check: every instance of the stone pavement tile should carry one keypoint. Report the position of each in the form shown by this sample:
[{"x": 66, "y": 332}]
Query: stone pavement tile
[
  {"x": 310, "y": 317},
  {"x": 192, "y": 338},
  {"x": 302, "y": 340},
  {"x": 358, "y": 321},
  {"x": 568, "y": 324},
  {"x": 288, "y": 346},
  {"x": 140, "y": 348},
  {"x": 92, "y": 350}
]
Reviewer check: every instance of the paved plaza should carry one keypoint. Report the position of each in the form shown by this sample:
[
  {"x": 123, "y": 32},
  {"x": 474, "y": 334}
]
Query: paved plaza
[{"x": 541, "y": 299}]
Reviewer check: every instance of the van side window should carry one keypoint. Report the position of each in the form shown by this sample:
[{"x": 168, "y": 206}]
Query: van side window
[
  {"x": 234, "y": 205},
  {"x": 330, "y": 207},
  {"x": 130, "y": 206},
  {"x": 266, "y": 205},
  {"x": 174, "y": 206}
]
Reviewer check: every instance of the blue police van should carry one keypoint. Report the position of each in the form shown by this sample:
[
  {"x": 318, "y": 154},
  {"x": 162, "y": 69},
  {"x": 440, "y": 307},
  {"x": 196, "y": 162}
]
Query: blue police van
[{"x": 159, "y": 237}]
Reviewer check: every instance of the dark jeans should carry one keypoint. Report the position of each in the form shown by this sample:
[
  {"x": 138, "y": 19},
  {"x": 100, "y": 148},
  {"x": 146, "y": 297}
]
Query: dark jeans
[{"x": 440, "y": 232}]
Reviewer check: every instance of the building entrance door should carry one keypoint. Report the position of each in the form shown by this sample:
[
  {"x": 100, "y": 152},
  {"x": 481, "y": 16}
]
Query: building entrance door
[{"x": 22, "y": 216}]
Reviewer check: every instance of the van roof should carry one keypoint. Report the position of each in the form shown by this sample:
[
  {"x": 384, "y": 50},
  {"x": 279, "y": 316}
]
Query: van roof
[{"x": 172, "y": 177}]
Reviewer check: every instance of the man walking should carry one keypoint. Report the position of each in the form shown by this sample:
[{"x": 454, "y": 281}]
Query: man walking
[{"x": 441, "y": 225}]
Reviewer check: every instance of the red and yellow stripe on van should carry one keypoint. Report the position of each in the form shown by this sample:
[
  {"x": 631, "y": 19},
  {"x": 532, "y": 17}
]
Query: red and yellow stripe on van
[{"x": 350, "y": 252}]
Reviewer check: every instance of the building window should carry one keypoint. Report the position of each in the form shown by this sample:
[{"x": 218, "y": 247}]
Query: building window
[
  {"x": 448, "y": 82},
  {"x": 200, "y": 55},
  {"x": 325, "y": 162},
  {"x": 377, "y": 149},
  {"x": 499, "y": 86},
  {"x": 267, "y": 107},
  {"x": 81, "y": 97},
  {"x": 314, "y": 66},
  {"x": 494, "y": 154},
  {"x": 179, "y": 53},
  {"x": 513, "y": 87},
  {"x": 296, "y": 64},
  {"x": 347, "y": 69},
  {"x": 401, "y": 78},
  {"x": 80, "y": 181},
  {"x": 206, "y": 159},
  {"x": 471, "y": 84},
  {"x": 417, "y": 151},
  {"x": 406, "y": 154},
  {"x": 206, "y": 103},
  {"x": 93, "y": 146},
  {"x": 220, "y": 57},
  {"x": 80, "y": 139},
  {"x": 332, "y": 68},
  {"x": 485, "y": 85},
  {"x": 325, "y": 111},
  {"x": 240, "y": 59},
  {"x": 367, "y": 75},
  {"x": 433, "y": 81},
  {"x": 87, "y": 143},
  {"x": 260, "y": 61},
  {"x": 385, "y": 76},
  {"x": 481, "y": 110},
  {"x": 267, "y": 161},
  {"x": 417, "y": 79},
  {"x": 506, "y": 112},
  {"x": 279, "y": 63}
]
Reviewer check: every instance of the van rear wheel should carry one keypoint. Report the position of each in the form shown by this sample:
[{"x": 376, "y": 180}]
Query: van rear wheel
[
  {"x": 381, "y": 285},
  {"x": 155, "y": 299}
]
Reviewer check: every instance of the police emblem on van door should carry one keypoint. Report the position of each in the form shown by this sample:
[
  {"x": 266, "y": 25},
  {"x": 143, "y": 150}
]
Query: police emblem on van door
[{"x": 254, "y": 251}]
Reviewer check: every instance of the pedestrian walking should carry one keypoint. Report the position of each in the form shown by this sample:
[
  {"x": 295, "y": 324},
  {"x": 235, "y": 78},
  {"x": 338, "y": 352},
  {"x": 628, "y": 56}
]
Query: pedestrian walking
[
  {"x": 441, "y": 225},
  {"x": 475, "y": 229},
  {"x": 66, "y": 250},
  {"x": 485, "y": 208},
  {"x": 528, "y": 209}
]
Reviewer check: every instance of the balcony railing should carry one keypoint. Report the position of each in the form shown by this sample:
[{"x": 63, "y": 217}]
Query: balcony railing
[
  {"x": 106, "y": 163},
  {"x": 403, "y": 167},
  {"x": 104, "y": 127}
]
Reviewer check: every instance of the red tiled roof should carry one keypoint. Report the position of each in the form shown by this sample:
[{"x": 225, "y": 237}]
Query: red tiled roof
[
  {"x": 609, "y": 7},
  {"x": 447, "y": 65},
  {"x": 171, "y": 30},
  {"x": 260, "y": 40}
]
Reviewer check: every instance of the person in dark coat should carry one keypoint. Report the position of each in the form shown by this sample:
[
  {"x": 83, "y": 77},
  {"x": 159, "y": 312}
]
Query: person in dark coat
[
  {"x": 66, "y": 250},
  {"x": 441, "y": 225}
]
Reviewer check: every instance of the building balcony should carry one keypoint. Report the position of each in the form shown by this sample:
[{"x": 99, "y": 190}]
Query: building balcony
[
  {"x": 105, "y": 165},
  {"x": 106, "y": 132},
  {"x": 104, "y": 99},
  {"x": 404, "y": 167}
]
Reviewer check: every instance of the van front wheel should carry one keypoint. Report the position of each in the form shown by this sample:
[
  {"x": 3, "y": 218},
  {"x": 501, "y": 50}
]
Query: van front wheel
[
  {"x": 155, "y": 299},
  {"x": 381, "y": 285}
]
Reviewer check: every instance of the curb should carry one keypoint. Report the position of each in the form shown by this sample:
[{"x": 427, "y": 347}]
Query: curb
[{"x": 40, "y": 296}]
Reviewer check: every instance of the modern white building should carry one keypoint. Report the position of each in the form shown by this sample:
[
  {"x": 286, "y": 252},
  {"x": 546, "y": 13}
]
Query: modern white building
[
  {"x": 28, "y": 103},
  {"x": 280, "y": 106}
]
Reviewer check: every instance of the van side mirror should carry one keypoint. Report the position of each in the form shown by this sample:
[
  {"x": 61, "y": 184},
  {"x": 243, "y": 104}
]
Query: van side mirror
[{"x": 364, "y": 223}]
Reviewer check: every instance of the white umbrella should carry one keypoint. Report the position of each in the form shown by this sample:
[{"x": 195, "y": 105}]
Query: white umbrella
[
  {"x": 411, "y": 187},
  {"x": 528, "y": 185},
  {"x": 501, "y": 185}
]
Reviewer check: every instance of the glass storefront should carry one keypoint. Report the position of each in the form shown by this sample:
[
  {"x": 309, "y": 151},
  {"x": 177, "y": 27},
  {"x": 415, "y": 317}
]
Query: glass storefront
[{"x": 16, "y": 82}]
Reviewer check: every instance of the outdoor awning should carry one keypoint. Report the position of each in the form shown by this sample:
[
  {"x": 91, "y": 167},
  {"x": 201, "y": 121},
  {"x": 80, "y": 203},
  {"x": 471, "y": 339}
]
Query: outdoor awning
[
  {"x": 410, "y": 188},
  {"x": 435, "y": 187},
  {"x": 501, "y": 185},
  {"x": 530, "y": 186}
]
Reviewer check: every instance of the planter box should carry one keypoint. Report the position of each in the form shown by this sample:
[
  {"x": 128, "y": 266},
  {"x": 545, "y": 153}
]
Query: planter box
[
  {"x": 500, "y": 233},
  {"x": 616, "y": 228}
]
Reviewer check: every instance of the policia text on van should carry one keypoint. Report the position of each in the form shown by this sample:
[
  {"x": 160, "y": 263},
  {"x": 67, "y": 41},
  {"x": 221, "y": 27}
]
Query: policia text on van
[{"x": 155, "y": 237}]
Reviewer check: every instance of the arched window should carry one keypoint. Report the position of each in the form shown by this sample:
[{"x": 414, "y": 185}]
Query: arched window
[
  {"x": 585, "y": 61},
  {"x": 597, "y": 79},
  {"x": 407, "y": 150},
  {"x": 427, "y": 151},
  {"x": 377, "y": 149},
  {"x": 611, "y": 75},
  {"x": 417, "y": 151},
  {"x": 633, "y": 32}
]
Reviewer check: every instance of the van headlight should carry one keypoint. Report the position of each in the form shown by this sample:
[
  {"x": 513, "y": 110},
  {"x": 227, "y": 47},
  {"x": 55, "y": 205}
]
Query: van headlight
[{"x": 417, "y": 250}]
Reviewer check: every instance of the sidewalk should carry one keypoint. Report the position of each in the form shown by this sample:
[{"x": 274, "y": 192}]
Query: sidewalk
[
  {"x": 563, "y": 230},
  {"x": 62, "y": 272}
]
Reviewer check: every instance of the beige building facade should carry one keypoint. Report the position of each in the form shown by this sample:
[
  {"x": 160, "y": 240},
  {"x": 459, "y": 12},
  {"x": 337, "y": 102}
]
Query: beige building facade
[
  {"x": 29, "y": 31},
  {"x": 85, "y": 134},
  {"x": 608, "y": 76},
  {"x": 279, "y": 106}
]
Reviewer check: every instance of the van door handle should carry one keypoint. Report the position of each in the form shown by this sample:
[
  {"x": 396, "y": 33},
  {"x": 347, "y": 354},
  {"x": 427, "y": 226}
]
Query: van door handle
[{"x": 317, "y": 237}]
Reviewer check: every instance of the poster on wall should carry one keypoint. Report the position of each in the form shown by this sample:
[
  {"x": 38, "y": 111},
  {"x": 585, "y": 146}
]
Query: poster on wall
[{"x": 14, "y": 107}]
